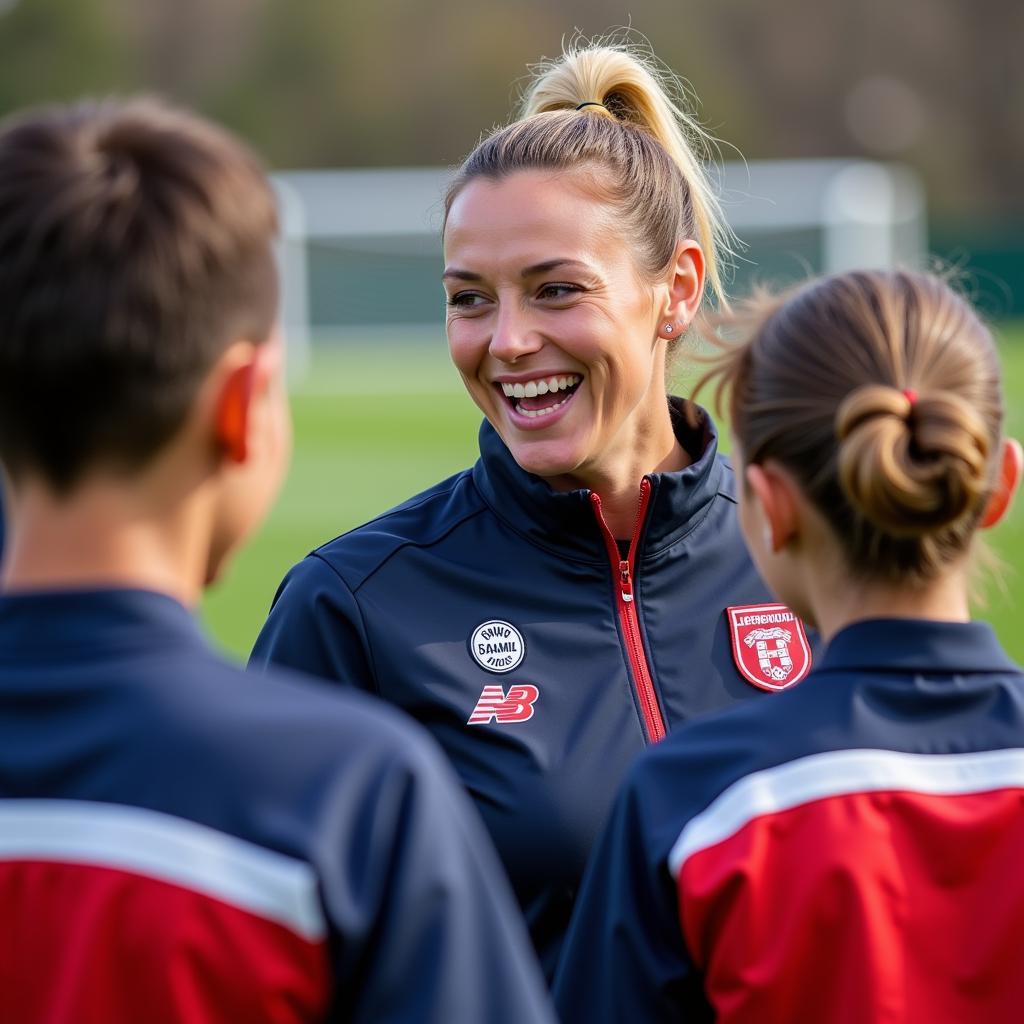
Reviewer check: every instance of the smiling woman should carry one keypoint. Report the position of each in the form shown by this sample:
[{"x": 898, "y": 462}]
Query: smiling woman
[
  {"x": 517, "y": 320},
  {"x": 595, "y": 541}
]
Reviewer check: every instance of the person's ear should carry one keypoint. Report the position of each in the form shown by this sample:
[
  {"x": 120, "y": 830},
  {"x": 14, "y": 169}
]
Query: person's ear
[
  {"x": 776, "y": 494},
  {"x": 685, "y": 290},
  {"x": 233, "y": 406},
  {"x": 1011, "y": 467},
  {"x": 245, "y": 377}
]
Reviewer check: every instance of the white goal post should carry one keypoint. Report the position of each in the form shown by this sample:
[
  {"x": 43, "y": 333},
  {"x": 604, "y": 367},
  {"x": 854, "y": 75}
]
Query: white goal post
[{"x": 352, "y": 228}]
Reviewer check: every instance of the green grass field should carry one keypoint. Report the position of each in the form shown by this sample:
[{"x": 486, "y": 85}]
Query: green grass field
[{"x": 374, "y": 424}]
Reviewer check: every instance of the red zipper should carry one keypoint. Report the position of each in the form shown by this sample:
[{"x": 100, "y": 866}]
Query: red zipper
[{"x": 623, "y": 568}]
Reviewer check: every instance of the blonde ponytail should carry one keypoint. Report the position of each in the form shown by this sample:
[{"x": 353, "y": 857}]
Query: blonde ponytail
[
  {"x": 609, "y": 106},
  {"x": 629, "y": 86}
]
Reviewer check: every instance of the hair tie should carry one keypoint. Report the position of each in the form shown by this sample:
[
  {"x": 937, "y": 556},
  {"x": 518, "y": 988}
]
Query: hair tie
[
  {"x": 590, "y": 103},
  {"x": 911, "y": 396}
]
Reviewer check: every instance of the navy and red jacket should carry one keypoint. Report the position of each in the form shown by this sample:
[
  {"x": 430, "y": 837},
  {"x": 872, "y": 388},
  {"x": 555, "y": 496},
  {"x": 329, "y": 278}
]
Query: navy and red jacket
[
  {"x": 183, "y": 842},
  {"x": 849, "y": 851},
  {"x": 505, "y": 618}
]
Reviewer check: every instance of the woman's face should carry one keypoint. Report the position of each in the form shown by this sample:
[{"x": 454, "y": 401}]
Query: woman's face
[{"x": 551, "y": 323}]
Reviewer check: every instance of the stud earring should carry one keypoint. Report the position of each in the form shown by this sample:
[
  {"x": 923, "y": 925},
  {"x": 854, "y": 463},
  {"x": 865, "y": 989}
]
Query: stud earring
[{"x": 669, "y": 328}]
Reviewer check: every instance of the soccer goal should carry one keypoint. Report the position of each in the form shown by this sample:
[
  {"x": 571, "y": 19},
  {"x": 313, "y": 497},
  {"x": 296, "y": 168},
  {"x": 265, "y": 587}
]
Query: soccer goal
[{"x": 361, "y": 249}]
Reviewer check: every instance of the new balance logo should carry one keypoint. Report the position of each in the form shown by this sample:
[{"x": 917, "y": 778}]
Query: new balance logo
[{"x": 515, "y": 706}]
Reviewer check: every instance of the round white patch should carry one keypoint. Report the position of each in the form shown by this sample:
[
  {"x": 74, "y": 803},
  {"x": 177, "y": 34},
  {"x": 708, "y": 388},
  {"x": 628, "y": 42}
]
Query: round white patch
[{"x": 497, "y": 646}]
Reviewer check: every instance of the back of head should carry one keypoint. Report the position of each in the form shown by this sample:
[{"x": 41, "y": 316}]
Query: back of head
[
  {"x": 135, "y": 245},
  {"x": 608, "y": 110},
  {"x": 880, "y": 392}
]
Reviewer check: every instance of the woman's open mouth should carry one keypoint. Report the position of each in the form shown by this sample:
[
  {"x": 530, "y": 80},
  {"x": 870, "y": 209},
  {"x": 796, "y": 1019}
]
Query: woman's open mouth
[{"x": 542, "y": 396}]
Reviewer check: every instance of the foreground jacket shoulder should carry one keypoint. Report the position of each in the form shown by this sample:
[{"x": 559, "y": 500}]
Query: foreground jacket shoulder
[{"x": 322, "y": 857}]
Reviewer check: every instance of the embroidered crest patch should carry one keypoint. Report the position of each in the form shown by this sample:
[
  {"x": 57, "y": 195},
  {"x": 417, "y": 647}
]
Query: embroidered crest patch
[
  {"x": 497, "y": 646},
  {"x": 769, "y": 645}
]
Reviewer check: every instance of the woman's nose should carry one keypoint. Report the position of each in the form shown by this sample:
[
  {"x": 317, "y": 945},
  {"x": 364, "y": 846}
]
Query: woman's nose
[{"x": 513, "y": 336}]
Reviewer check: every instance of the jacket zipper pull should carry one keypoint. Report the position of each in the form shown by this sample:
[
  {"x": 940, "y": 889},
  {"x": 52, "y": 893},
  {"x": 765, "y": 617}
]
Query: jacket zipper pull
[{"x": 625, "y": 582}]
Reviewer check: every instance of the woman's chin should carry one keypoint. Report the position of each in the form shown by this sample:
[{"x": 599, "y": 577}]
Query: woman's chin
[{"x": 546, "y": 458}]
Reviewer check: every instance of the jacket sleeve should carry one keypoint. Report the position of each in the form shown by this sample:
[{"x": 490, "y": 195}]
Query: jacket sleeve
[
  {"x": 427, "y": 923},
  {"x": 624, "y": 958},
  {"x": 315, "y": 626}
]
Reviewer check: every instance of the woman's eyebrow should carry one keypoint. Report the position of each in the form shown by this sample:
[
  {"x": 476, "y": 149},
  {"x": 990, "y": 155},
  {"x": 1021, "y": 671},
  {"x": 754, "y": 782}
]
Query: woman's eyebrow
[
  {"x": 460, "y": 275},
  {"x": 543, "y": 268}
]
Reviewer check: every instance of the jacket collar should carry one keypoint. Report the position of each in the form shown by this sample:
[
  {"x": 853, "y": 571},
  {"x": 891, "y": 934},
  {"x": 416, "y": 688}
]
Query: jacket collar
[
  {"x": 81, "y": 620},
  {"x": 916, "y": 645},
  {"x": 564, "y": 523}
]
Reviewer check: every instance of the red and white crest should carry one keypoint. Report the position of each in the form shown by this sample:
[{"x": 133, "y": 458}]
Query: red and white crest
[
  {"x": 515, "y": 706},
  {"x": 769, "y": 645}
]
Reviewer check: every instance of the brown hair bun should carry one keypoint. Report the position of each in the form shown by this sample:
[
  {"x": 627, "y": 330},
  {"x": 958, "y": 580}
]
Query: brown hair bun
[
  {"x": 911, "y": 466},
  {"x": 901, "y": 477}
]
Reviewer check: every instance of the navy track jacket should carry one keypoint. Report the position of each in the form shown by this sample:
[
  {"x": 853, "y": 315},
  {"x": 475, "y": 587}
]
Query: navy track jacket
[
  {"x": 181, "y": 841},
  {"x": 505, "y": 618},
  {"x": 846, "y": 852}
]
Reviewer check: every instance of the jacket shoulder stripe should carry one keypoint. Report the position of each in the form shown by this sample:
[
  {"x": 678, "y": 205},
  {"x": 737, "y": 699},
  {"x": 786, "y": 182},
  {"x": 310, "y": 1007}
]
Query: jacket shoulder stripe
[
  {"x": 839, "y": 773},
  {"x": 98, "y": 944},
  {"x": 161, "y": 846}
]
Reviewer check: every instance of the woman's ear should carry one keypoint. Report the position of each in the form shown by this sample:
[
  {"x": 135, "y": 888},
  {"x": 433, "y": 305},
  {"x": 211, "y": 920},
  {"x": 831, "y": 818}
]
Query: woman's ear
[
  {"x": 1012, "y": 464},
  {"x": 685, "y": 288},
  {"x": 776, "y": 494}
]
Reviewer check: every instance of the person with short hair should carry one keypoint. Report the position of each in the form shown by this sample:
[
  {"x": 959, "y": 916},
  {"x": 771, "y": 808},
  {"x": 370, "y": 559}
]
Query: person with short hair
[
  {"x": 562, "y": 604},
  {"x": 850, "y": 850},
  {"x": 179, "y": 840}
]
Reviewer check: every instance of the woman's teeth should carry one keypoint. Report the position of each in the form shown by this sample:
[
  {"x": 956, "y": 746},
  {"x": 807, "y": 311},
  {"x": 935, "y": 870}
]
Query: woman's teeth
[
  {"x": 541, "y": 386},
  {"x": 534, "y": 413}
]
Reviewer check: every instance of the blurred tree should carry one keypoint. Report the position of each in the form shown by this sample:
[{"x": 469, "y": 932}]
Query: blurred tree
[
  {"x": 191, "y": 48},
  {"x": 56, "y": 49},
  {"x": 938, "y": 83},
  {"x": 950, "y": 72}
]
